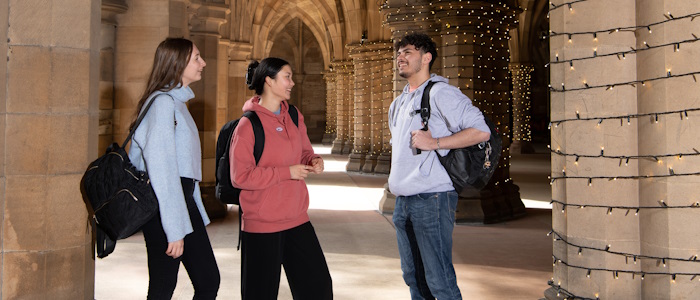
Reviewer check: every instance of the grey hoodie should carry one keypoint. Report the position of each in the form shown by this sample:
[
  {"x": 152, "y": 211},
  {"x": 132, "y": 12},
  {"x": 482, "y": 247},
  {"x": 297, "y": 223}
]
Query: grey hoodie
[{"x": 450, "y": 112}]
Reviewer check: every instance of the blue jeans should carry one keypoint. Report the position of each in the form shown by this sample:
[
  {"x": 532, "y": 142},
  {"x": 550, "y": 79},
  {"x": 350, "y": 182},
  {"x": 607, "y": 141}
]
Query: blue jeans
[{"x": 424, "y": 225}]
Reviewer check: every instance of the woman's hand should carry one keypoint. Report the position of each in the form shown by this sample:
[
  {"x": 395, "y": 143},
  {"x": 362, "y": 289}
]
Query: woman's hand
[
  {"x": 175, "y": 248},
  {"x": 317, "y": 164},
  {"x": 299, "y": 172}
]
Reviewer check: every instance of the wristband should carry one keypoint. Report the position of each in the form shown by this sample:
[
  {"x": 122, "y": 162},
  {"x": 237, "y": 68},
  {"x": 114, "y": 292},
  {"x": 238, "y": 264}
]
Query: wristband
[{"x": 438, "y": 143}]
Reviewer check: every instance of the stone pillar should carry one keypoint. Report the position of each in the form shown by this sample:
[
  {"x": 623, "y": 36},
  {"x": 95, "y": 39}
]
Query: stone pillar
[
  {"x": 343, "y": 70},
  {"x": 361, "y": 104},
  {"x": 349, "y": 103},
  {"x": 380, "y": 55},
  {"x": 210, "y": 92},
  {"x": 110, "y": 9},
  {"x": 239, "y": 58},
  {"x": 49, "y": 113},
  {"x": 521, "y": 76},
  {"x": 629, "y": 106},
  {"x": 140, "y": 30},
  {"x": 331, "y": 107},
  {"x": 475, "y": 59},
  {"x": 385, "y": 69},
  {"x": 674, "y": 232}
]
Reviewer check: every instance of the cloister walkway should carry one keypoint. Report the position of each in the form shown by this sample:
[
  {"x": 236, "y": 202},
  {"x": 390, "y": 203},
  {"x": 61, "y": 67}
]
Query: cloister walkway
[{"x": 510, "y": 260}]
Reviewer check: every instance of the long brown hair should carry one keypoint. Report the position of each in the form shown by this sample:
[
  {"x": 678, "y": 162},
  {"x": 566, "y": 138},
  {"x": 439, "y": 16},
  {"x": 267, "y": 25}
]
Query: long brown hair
[{"x": 169, "y": 62}]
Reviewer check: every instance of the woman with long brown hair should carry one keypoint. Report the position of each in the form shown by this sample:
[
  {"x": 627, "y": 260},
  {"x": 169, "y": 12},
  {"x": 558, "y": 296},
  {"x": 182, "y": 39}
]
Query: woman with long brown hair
[{"x": 166, "y": 145}]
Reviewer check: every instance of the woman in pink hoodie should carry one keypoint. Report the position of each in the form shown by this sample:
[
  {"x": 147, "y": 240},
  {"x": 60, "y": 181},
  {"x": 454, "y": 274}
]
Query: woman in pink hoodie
[{"x": 276, "y": 228}]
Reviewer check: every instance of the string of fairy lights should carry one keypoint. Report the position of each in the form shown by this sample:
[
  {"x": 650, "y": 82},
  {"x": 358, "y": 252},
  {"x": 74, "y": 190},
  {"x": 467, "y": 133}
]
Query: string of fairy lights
[{"x": 581, "y": 246}]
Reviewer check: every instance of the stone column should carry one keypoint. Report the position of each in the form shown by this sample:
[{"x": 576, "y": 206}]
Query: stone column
[
  {"x": 349, "y": 104},
  {"x": 361, "y": 103},
  {"x": 49, "y": 113},
  {"x": 522, "y": 112},
  {"x": 140, "y": 30},
  {"x": 210, "y": 92},
  {"x": 583, "y": 170},
  {"x": 110, "y": 10},
  {"x": 239, "y": 58},
  {"x": 475, "y": 59},
  {"x": 672, "y": 232},
  {"x": 385, "y": 94},
  {"x": 331, "y": 107},
  {"x": 342, "y": 69},
  {"x": 380, "y": 55}
]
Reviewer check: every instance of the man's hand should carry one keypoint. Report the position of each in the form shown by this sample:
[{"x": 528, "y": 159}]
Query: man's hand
[
  {"x": 175, "y": 249},
  {"x": 317, "y": 164},
  {"x": 423, "y": 140}
]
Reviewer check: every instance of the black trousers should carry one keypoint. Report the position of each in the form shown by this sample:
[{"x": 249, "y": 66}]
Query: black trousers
[
  {"x": 298, "y": 250},
  {"x": 198, "y": 256}
]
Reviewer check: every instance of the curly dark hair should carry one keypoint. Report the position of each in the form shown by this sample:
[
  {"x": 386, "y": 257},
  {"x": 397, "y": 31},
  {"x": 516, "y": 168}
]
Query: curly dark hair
[{"x": 421, "y": 41}]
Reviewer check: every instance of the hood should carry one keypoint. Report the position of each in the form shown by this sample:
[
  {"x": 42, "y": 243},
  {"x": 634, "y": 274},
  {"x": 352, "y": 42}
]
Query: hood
[
  {"x": 253, "y": 104},
  {"x": 433, "y": 77}
]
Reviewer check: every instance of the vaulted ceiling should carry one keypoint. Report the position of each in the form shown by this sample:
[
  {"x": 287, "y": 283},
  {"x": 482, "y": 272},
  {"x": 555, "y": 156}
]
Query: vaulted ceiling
[{"x": 334, "y": 23}]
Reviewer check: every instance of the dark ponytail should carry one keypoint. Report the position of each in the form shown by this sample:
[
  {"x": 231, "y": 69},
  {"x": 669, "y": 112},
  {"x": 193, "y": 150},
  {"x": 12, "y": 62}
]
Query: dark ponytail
[
  {"x": 249, "y": 74},
  {"x": 258, "y": 71}
]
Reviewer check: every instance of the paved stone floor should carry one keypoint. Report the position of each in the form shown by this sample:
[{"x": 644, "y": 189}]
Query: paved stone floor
[{"x": 510, "y": 260}]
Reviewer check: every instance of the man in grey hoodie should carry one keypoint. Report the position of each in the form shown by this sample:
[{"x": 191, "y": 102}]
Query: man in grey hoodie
[{"x": 425, "y": 198}]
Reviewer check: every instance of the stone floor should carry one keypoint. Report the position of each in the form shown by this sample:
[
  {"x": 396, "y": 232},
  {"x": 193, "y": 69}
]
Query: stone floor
[{"x": 510, "y": 260}]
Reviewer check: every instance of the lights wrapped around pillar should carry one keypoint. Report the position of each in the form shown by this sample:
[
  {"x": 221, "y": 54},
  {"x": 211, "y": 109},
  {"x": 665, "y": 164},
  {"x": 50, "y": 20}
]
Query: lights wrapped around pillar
[
  {"x": 368, "y": 112},
  {"x": 331, "y": 106},
  {"x": 621, "y": 206},
  {"x": 522, "y": 107},
  {"x": 342, "y": 142}
]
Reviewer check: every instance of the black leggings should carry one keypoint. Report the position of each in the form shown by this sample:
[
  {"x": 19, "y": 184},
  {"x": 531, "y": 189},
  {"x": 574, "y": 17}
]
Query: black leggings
[
  {"x": 198, "y": 257},
  {"x": 298, "y": 250}
]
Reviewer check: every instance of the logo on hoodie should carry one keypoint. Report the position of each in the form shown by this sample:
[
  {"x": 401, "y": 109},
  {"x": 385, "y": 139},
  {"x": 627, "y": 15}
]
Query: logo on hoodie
[{"x": 279, "y": 129}]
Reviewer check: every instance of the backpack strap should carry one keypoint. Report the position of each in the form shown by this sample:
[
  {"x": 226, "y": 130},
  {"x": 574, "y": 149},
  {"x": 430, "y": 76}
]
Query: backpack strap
[
  {"x": 103, "y": 243},
  {"x": 294, "y": 114},
  {"x": 259, "y": 134},
  {"x": 425, "y": 105},
  {"x": 424, "y": 110}
]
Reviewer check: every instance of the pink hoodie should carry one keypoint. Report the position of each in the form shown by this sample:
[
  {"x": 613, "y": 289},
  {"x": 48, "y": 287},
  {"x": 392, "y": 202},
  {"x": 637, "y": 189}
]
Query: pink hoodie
[{"x": 270, "y": 199}]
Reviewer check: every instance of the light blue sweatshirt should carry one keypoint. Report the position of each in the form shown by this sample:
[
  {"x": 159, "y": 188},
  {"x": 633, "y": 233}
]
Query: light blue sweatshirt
[
  {"x": 450, "y": 112},
  {"x": 166, "y": 144}
]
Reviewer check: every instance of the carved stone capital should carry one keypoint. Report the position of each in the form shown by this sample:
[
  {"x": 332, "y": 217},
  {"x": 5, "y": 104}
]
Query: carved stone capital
[
  {"x": 206, "y": 19},
  {"x": 112, "y": 8}
]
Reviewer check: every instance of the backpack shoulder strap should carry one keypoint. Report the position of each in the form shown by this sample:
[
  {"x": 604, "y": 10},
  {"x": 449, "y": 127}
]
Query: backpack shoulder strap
[
  {"x": 425, "y": 104},
  {"x": 259, "y": 134},
  {"x": 294, "y": 114}
]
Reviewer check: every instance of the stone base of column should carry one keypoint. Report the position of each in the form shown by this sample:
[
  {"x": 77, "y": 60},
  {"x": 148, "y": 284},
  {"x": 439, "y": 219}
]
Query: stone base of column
[
  {"x": 370, "y": 163},
  {"x": 355, "y": 162},
  {"x": 328, "y": 138},
  {"x": 491, "y": 205},
  {"x": 347, "y": 148},
  {"x": 551, "y": 294},
  {"x": 383, "y": 163},
  {"x": 386, "y": 205},
  {"x": 521, "y": 147},
  {"x": 337, "y": 147},
  {"x": 214, "y": 207}
]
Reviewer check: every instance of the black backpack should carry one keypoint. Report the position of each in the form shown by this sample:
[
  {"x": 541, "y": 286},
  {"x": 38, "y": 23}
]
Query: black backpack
[
  {"x": 224, "y": 190},
  {"x": 469, "y": 167}
]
